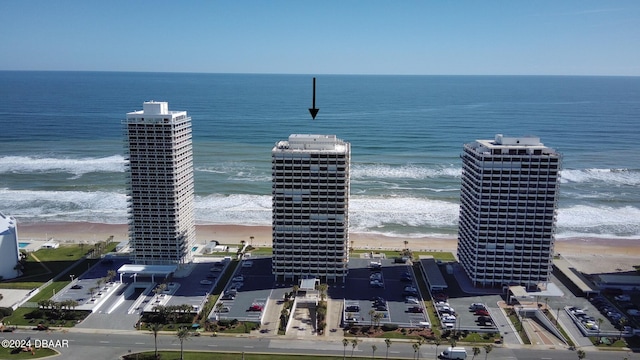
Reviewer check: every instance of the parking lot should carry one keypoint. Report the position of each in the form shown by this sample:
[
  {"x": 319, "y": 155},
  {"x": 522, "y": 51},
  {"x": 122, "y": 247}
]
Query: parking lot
[
  {"x": 385, "y": 293},
  {"x": 246, "y": 296}
]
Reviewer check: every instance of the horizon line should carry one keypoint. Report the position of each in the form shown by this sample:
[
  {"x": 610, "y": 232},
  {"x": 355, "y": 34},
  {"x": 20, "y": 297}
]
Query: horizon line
[{"x": 315, "y": 74}]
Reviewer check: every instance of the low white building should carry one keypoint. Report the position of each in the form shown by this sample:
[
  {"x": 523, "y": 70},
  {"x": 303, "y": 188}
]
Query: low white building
[{"x": 9, "y": 249}]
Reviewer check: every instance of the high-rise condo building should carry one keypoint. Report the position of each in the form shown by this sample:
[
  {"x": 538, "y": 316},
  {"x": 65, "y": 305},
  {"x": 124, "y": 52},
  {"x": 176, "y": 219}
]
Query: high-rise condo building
[
  {"x": 310, "y": 189},
  {"x": 508, "y": 205},
  {"x": 160, "y": 185}
]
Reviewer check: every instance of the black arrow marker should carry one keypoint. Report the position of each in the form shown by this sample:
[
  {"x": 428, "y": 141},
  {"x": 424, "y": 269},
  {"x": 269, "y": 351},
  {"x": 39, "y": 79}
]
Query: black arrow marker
[{"x": 313, "y": 110}]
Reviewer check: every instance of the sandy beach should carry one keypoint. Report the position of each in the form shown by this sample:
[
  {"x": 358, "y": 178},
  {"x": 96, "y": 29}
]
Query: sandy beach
[{"x": 590, "y": 255}]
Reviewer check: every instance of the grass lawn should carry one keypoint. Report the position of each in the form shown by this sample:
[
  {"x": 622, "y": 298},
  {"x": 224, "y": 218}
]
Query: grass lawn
[
  {"x": 40, "y": 353},
  {"x": 175, "y": 355},
  {"x": 390, "y": 254}
]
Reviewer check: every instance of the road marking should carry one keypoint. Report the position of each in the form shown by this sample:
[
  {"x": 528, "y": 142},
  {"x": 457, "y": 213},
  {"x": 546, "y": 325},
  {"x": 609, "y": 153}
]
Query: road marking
[
  {"x": 212, "y": 345},
  {"x": 249, "y": 347},
  {"x": 140, "y": 343},
  {"x": 104, "y": 342}
]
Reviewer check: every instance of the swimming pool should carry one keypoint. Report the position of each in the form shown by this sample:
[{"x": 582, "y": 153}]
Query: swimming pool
[{"x": 23, "y": 245}]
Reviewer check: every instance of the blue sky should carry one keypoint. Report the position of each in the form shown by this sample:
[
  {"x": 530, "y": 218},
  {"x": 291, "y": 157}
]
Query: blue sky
[{"x": 546, "y": 37}]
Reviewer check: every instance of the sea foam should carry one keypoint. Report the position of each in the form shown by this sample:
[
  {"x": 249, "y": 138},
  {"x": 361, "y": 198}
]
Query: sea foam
[{"x": 75, "y": 166}]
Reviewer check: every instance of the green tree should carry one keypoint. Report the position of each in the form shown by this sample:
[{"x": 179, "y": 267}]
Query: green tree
[
  {"x": 581, "y": 354},
  {"x": 155, "y": 329},
  {"x": 388, "y": 342},
  {"x": 183, "y": 334}
]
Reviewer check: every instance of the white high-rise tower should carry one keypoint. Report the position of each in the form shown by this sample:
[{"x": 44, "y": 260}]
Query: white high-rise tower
[
  {"x": 160, "y": 185},
  {"x": 310, "y": 188},
  {"x": 508, "y": 206}
]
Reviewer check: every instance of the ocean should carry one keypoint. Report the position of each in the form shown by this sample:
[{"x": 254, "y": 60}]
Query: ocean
[{"x": 61, "y": 153}]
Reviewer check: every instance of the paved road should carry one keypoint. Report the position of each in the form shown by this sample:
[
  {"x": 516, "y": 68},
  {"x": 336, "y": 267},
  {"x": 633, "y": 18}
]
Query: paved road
[{"x": 110, "y": 345}]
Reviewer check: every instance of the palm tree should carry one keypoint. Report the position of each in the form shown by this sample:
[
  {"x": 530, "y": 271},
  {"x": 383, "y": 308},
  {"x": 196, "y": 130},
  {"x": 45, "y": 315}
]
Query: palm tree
[
  {"x": 377, "y": 317},
  {"x": 182, "y": 334},
  {"x": 416, "y": 348},
  {"x": 476, "y": 351},
  {"x": 487, "y": 350},
  {"x": 600, "y": 320},
  {"x": 155, "y": 329},
  {"x": 219, "y": 306},
  {"x": 111, "y": 274},
  {"x": 373, "y": 350},
  {"x": 323, "y": 291},
  {"x": 371, "y": 314},
  {"x": 581, "y": 354},
  {"x": 622, "y": 322},
  {"x": 354, "y": 343},
  {"x": 437, "y": 342},
  {"x": 388, "y": 342},
  {"x": 345, "y": 342},
  {"x": 295, "y": 289}
]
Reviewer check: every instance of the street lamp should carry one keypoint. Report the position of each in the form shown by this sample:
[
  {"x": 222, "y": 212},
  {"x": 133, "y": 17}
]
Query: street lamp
[{"x": 71, "y": 276}]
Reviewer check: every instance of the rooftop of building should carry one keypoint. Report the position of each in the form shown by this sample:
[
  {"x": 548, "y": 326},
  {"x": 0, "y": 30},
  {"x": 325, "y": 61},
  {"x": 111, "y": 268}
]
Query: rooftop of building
[
  {"x": 155, "y": 109},
  {"x": 312, "y": 142},
  {"x": 528, "y": 143}
]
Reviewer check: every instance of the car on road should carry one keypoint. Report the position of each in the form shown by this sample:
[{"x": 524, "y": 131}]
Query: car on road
[
  {"x": 482, "y": 312},
  {"x": 476, "y": 306},
  {"x": 255, "y": 307}
]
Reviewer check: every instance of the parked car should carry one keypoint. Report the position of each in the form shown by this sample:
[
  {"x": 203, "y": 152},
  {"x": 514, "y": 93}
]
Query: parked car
[
  {"x": 255, "y": 307},
  {"x": 353, "y": 308},
  {"x": 238, "y": 278},
  {"x": 76, "y": 287},
  {"x": 376, "y": 284},
  {"x": 406, "y": 277},
  {"x": 415, "y": 309},
  {"x": 228, "y": 296},
  {"x": 381, "y": 307},
  {"x": 411, "y": 300},
  {"x": 380, "y": 301},
  {"x": 375, "y": 276},
  {"x": 476, "y": 306},
  {"x": 205, "y": 282}
]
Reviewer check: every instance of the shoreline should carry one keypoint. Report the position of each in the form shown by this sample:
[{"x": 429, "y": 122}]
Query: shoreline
[{"x": 589, "y": 255}]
